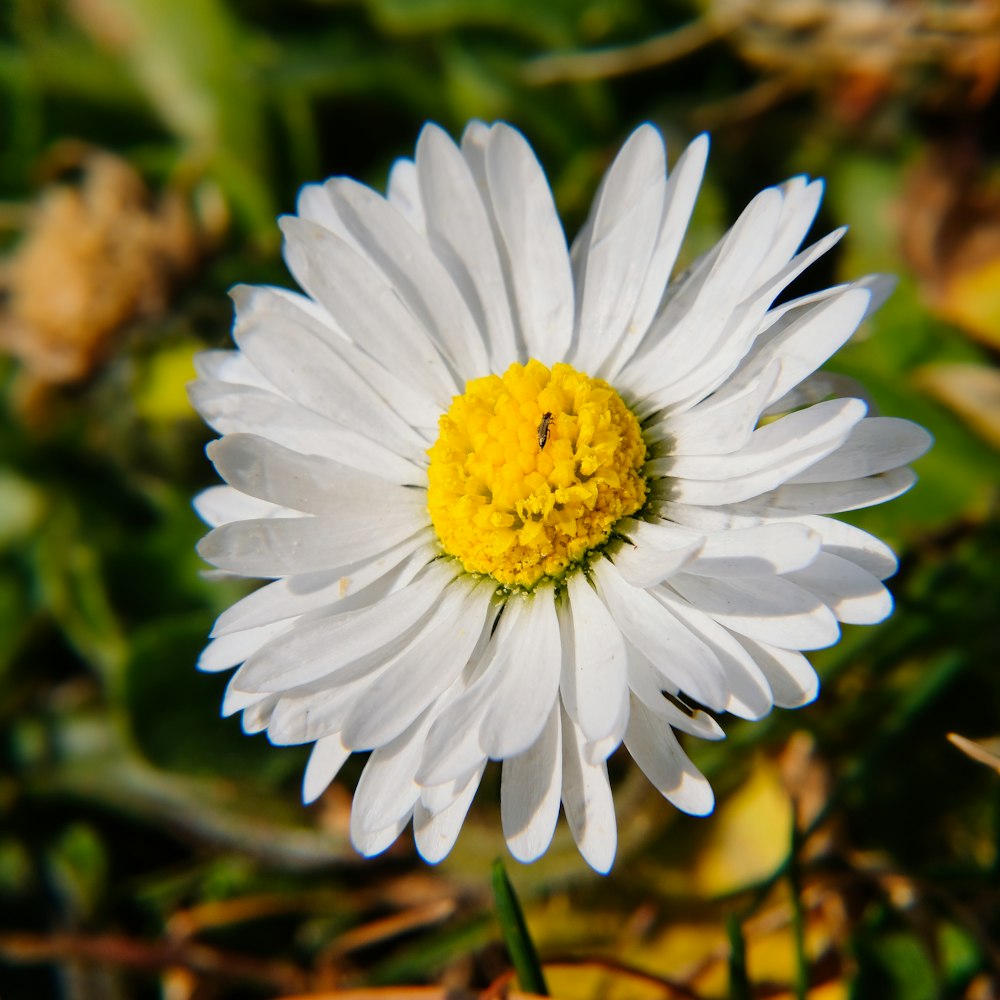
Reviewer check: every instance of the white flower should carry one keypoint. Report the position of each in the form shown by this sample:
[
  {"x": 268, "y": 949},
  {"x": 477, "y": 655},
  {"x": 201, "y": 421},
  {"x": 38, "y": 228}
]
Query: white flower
[{"x": 526, "y": 503}]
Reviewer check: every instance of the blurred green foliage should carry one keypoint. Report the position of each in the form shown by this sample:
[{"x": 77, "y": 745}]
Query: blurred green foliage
[{"x": 148, "y": 848}]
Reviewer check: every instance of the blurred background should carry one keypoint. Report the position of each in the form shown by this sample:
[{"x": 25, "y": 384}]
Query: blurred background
[{"x": 147, "y": 847}]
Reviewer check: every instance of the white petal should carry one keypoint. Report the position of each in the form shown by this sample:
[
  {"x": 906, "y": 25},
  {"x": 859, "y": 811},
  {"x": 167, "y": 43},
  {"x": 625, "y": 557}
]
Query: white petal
[
  {"x": 452, "y": 752},
  {"x": 371, "y": 842},
  {"x": 506, "y": 702},
  {"x": 312, "y": 712},
  {"x": 386, "y": 790},
  {"x": 720, "y": 424},
  {"x": 314, "y": 205},
  {"x": 256, "y": 717},
  {"x": 621, "y": 238},
  {"x": 535, "y": 245},
  {"x": 653, "y": 550},
  {"x": 475, "y": 139},
  {"x": 647, "y": 685},
  {"x": 876, "y": 445},
  {"x": 222, "y": 505},
  {"x": 243, "y": 409},
  {"x": 710, "y": 519},
  {"x": 881, "y": 287},
  {"x": 530, "y": 681},
  {"x": 318, "y": 368},
  {"x": 587, "y": 800},
  {"x": 597, "y": 751},
  {"x": 272, "y": 547},
  {"x": 431, "y": 661},
  {"x": 780, "y": 613},
  {"x": 345, "y": 587},
  {"x": 236, "y": 701},
  {"x": 593, "y": 683},
  {"x": 361, "y": 300},
  {"x": 229, "y": 650},
  {"x": 655, "y": 749},
  {"x": 778, "y": 442},
  {"x": 791, "y": 676},
  {"x": 316, "y": 649},
  {"x": 309, "y": 483},
  {"x": 403, "y": 191},
  {"x": 834, "y": 498},
  {"x": 327, "y": 758},
  {"x": 760, "y": 551},
  {"x": 674, "y": 651},
  {"x": 435, "y": 833},
  {"x": 530, "y": 791},
  {"x": 707, "y": 368},
  {"x": 729, "y": 367},
  {"x": 459, "y": 232},
  {"x": 807, "y": 340},
  {"x": 695, "y": 319},
  {"x": 853, "y": 594},
  {"x": 815, "y": 388},
  {"x": 416, "y": 275},
  {"x": 849, "y": 542},
  {"x": 438, "y": 797},
  {"x": 798, "y": 210},
  {"x": 232, "y": 367},
  {"x": 678, "y": 203},
  {"x": 749, "y": 694},
  {"x": 774, "y": 454}
]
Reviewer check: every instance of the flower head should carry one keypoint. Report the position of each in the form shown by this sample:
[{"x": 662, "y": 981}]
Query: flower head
[{"x": 525, "y": 502}]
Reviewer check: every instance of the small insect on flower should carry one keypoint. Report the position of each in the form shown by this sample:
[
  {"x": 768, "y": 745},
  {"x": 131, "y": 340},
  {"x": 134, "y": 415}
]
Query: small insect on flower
[{"x": 543, "y": 430}]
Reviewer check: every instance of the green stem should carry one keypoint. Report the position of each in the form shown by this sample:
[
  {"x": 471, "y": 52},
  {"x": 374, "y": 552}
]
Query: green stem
[
  {"x": 515, "y": 934},
  {"x": 739, "y": 981}
]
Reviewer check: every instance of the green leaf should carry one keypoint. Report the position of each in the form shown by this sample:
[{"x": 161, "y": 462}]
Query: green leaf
[
  {"x": 556, "y": 23},
  {"x": 21, "y": 507},
  {"x": 174, "y": 710},
  {"x": 70, "y": 571},
  {"x": 192, "y": 60},
  {"x": 960, "y": 955},
  {"x": 94, "y": 764},
  {"x": 16, "y": 871},
  {"x": 16, "y": 622},
  {"x": 904, "y": 969},
  {"x": 958, "y": 476},
  {"x": 78, "y": 868}
]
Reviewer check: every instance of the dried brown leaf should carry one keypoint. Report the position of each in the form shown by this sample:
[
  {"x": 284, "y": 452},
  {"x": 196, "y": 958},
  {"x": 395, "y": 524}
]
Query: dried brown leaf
[
  {"x": 95, "y": 257},
  {"x": 985, "y": 752}
]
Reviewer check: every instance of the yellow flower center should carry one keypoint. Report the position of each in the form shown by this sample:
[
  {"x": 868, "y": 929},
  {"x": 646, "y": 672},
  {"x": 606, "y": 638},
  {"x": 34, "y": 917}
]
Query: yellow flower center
[{"x": 532, "y": 470}]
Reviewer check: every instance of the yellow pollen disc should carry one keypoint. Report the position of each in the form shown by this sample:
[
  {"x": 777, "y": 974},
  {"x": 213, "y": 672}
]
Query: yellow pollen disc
[{"x": 531, "y": 471}]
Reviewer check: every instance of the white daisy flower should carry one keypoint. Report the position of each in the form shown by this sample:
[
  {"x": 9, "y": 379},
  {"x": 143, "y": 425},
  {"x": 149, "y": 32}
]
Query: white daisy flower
[{"x": 524, "y": 502}]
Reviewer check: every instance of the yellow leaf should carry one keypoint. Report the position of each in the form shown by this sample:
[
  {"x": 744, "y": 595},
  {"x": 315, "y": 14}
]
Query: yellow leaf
[
  {"x": 749, "y": 836},
  {"x": 972, "y": 391},
  {"x": 162, "y": 394},
  {"x": 971, "y": 300}
]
